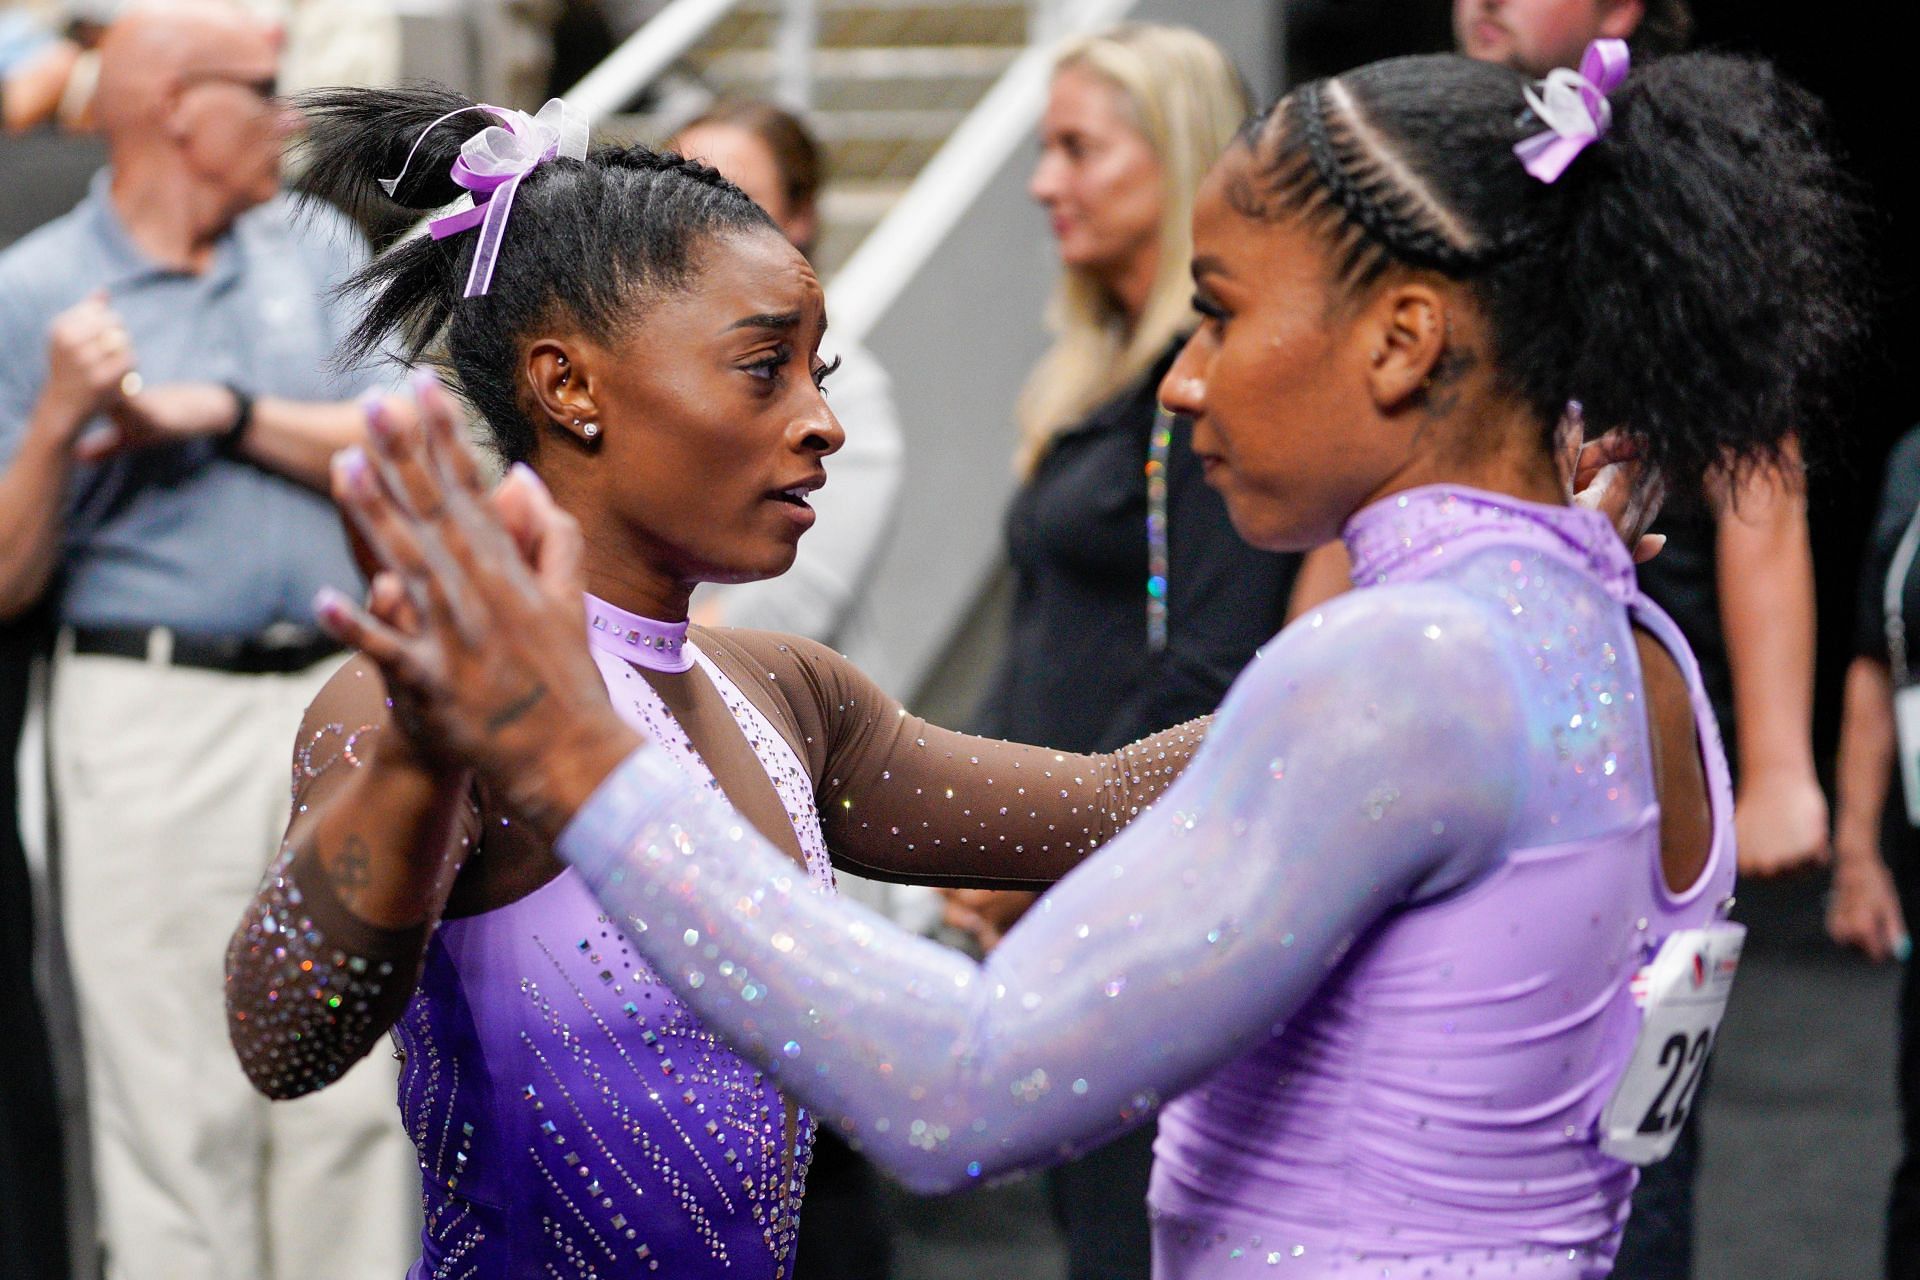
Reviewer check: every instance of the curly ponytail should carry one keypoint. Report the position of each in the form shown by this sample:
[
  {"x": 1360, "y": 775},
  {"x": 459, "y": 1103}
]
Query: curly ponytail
[
  {"x": 1691, "y": 279},
  {"x": 589, "y": 240}
]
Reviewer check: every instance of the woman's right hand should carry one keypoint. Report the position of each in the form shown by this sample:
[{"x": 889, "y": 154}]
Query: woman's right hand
[{"x": 496, "y": 665}]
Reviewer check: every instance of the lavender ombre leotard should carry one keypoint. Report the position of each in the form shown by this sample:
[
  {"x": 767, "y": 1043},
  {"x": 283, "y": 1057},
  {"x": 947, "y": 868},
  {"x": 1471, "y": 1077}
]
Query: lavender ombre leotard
[
  {"x": 1371, "y": 953},
  {"x": 568, "y": 1109}
]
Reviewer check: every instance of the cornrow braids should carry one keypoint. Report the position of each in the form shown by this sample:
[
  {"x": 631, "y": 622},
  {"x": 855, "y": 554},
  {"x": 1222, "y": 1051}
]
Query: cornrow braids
[
  {"x": 590, "y": 242},
  {"x": 1692, "y": 279}
]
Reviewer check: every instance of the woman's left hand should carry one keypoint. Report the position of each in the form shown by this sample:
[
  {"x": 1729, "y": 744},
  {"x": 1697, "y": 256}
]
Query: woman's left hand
[
  {"x": 1605, "y": 475},
  {"x": 495, "y": 665}
]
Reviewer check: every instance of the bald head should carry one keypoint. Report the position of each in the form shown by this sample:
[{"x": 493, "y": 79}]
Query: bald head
[
  {"x": 188, "y": 103},
  {"x": 155, "y": 46}
]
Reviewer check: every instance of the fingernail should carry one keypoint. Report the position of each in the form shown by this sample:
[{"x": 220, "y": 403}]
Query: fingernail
[
  {"x": 529, "y": 475},
  {"x": 329, "y": 605},
  {"x": 423, "y": 381},
  {"x": 350, "y": 464},
  {"x": 1903, "y": 948},
  {"x": 379, "y": 421}
]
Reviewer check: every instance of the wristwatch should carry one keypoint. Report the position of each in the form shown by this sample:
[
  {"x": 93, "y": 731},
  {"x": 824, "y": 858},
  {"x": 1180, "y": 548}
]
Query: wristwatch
[{"x": 242, "y": 419}]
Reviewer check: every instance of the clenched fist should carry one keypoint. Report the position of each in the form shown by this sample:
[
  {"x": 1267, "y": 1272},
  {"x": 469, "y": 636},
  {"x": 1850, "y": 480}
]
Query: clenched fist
[{"x": 89, "y": 356}]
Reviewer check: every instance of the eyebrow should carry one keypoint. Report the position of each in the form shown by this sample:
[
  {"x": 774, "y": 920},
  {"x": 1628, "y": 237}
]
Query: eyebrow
[{"x": 767, "y": 320}]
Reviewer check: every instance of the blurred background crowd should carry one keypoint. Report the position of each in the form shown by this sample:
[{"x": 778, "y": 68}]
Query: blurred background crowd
[{"x": 996, "y": 195}]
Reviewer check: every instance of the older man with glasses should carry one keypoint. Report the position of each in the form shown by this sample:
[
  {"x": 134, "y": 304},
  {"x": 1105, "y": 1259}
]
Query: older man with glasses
[{"x": 167, "y": 410}]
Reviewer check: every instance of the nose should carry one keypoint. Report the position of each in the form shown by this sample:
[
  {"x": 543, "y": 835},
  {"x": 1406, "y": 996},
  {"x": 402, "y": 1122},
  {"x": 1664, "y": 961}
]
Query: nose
[
  {"x": 1184, "y": 390},
  {"x": 819, "y": 431},
  {"x": 1044, "y": 186}
]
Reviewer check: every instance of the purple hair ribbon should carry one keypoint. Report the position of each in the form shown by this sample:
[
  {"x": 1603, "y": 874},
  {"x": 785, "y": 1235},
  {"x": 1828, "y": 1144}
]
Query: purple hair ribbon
[
  {"x": 1574, "y": 107},
  {"x": 491, "y": 165}
]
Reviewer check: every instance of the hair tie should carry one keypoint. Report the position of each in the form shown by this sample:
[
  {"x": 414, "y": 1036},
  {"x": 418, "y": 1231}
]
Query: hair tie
[
  {"x": 1574, "y": 107},
  {"x": 490, "y": 166}
]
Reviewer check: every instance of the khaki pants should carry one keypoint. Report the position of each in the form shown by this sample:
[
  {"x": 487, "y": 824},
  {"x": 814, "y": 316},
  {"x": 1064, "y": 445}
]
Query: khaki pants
[{"x": 170, "y": 792}]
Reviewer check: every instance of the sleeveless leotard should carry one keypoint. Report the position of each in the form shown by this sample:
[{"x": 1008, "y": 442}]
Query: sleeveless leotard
[{"x": 1375, "y": 945}]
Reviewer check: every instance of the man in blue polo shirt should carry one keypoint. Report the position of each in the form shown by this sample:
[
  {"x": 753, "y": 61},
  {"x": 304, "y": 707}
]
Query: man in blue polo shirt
[{"x": 168, "y": 405}]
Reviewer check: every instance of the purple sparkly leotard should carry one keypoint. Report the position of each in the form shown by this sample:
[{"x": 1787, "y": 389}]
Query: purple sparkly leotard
[
  {"x": 572, "y": 1115},
  {"x": 1375, "y": 945},
  {"x": 567, "y": 1107}
]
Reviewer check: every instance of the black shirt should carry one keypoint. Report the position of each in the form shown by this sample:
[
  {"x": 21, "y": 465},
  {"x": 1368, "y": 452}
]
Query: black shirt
[
  {"x": 1899, "y": 499},
  {"x": 1077, "y": 674},
  {"x": 1684, "y": 580}
]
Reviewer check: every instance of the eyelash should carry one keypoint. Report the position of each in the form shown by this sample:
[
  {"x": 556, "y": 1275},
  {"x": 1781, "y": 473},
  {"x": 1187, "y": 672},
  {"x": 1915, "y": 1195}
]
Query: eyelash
[
  {"x": 1210, "y": 309},
  {"x": 768, "y": 370}
]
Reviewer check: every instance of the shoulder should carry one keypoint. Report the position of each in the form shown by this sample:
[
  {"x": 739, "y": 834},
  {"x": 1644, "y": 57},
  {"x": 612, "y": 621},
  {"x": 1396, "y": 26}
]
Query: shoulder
[
  {"x": 311, "y": 227},
  {"x": 46, "y": 270},
  {"x": 1411, "y": 660}
]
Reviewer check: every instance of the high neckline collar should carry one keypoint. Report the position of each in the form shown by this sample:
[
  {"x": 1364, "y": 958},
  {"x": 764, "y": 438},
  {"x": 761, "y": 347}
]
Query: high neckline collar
[
  {"x": 1408, "y": 535},
  {"x": 657, "y": 646}
]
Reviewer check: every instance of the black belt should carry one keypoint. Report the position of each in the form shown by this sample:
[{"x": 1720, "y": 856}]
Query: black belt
[{"x": 277, "y": 651}]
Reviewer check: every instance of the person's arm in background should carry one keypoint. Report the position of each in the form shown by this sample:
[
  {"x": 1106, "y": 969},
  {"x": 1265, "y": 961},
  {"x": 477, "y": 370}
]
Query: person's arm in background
[
  {"x": 1863, "y": 910},
  {"x": 87, "y": 356},
  {"x": 1765, "y": 570},
  {"x": 854, "y": 511},
  {"x": 292, "y": 437}
]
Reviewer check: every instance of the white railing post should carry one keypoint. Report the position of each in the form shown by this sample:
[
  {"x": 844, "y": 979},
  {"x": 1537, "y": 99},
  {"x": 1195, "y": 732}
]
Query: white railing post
[{"x": 793, "y": 47}]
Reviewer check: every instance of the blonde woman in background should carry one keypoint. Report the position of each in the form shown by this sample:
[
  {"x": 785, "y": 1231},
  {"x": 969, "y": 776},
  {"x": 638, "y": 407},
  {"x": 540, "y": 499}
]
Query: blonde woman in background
[{"x": 1135, "y": 602}]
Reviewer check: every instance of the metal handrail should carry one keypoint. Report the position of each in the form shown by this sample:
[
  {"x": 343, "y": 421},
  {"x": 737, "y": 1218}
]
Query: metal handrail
[
  {"x": 660, "y": 42},
  {"x": 1003, "y": 121}
]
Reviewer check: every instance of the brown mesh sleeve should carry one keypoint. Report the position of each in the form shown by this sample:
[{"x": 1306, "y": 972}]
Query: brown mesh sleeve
[
  {"x": 901, "y": 799},
  {"x": 310, "y": 986}
]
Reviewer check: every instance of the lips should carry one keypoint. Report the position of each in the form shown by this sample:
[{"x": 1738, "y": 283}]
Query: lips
[{"x": 795, "y": 495}]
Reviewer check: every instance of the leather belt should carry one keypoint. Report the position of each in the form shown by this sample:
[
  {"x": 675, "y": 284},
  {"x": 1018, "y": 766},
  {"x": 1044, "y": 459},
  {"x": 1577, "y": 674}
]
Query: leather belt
[{"x": 279, "y": 650}]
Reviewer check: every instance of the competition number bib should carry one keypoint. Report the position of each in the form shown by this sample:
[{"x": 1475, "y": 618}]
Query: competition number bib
[{"x": 1682, "y": 994}]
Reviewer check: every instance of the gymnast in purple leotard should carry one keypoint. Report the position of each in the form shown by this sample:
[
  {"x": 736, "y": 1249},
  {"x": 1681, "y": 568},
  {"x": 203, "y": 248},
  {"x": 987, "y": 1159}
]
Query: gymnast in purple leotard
[
  {"x": 571, "y": 1115},
  {"x": 1372, "y": 956}
]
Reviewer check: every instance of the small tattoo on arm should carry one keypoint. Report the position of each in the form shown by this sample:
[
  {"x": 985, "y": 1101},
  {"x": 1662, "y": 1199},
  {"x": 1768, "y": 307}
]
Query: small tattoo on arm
[
  {"x": 353, "y": 868},
  {"x": 516, "y": 709}
]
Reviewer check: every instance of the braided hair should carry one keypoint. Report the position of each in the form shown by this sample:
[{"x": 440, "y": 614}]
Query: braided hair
[
  {"x": 589, "y": 241},
  {"x": 1692, "y": 279}
]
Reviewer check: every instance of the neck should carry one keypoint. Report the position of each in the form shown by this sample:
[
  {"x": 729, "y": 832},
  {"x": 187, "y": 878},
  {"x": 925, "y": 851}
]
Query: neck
[
  {"x": 637, "y": 588},
  {"x": 1132, "y": 285},
  {"x": 168, "y": 216},
  {"x": 1506, "y": 455}
]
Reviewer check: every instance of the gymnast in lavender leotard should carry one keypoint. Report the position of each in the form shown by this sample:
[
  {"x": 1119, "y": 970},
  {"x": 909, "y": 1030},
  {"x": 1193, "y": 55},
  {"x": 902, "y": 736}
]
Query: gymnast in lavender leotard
[{"x": 1372, "y": 956}]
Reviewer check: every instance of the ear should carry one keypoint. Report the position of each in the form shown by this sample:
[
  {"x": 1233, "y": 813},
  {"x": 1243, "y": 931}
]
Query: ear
[
  {"x": 562, "y": 376},
  {"x": 1408, "y": 328},
  {"x": 1619, "y": 19}
]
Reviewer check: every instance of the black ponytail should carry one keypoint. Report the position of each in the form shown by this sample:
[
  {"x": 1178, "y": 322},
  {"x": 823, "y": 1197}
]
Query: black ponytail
[
  {"x": 588, "y": 240},
  {"x": 1692, "y": 279}
]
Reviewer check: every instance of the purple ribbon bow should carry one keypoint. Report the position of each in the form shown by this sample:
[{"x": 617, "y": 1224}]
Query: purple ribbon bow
[
  {"x": 1574, "y": 107},
  {"x": 491, "y": 165}
]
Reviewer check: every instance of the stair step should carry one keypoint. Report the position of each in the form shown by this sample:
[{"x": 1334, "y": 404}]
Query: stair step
[{"x": 883, "y": 62}]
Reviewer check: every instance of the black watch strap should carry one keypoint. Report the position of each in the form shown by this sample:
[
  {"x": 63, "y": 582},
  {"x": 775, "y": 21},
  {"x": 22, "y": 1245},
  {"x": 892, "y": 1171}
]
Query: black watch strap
[{"x": 242, "y": 419}]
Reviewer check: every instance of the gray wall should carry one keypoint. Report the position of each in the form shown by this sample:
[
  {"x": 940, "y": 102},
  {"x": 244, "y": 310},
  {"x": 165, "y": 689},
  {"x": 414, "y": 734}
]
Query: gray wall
[{"x": 958, "y": 344}]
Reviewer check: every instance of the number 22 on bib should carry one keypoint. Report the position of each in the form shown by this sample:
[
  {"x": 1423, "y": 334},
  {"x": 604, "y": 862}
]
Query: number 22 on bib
[{"x": 1682, "y": 996}]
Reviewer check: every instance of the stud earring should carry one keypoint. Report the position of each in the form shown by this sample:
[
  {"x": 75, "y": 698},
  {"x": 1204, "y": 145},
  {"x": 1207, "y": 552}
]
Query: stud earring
[{"x": 590, "y": 430}]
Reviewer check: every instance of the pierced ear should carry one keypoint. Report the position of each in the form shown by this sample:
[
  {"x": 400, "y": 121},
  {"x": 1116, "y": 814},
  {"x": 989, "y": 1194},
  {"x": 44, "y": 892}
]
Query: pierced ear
[
  {"x": 1408, "y": 329},
  {"x": 561, "y": 378}
]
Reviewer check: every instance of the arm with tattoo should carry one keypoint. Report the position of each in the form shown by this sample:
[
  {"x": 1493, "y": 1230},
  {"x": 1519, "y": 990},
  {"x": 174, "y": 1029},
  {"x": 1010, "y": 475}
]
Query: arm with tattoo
[{"x": 327, "y": 953}]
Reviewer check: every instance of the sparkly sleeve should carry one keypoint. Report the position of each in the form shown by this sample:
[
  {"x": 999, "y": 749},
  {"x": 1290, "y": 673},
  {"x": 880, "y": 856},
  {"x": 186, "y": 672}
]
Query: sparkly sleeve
[
  {"x": 1322, "y": 799},
  {"x": 311, "y": 987},
  {"x": 908, "y": 801}
]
